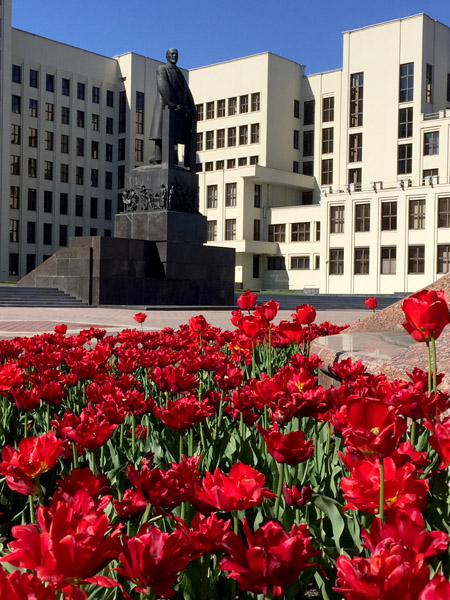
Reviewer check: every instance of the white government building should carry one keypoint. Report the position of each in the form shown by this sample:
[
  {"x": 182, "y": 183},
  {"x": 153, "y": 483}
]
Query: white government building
[{"x": 337, "y": 182}]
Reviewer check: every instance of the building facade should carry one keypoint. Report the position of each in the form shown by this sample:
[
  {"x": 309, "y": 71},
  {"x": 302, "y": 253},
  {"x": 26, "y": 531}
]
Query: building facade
[{"x": 336, "y": 181}]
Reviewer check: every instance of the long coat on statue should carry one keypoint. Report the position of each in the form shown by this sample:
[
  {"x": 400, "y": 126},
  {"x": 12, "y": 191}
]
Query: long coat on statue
[{"x": 173, "y": 91}]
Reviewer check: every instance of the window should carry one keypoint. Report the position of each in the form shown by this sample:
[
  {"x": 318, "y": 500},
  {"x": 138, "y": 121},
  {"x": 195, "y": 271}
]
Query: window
[
  {"x": 64, "y": 204},
  {"x": 199, "y": 141},
  {"x": 417, "y": 213},
  {"x": 277, "y": 233},
  {"x": 243, "y": 135},
  {"x": 300, "y": 232},
  {"x": 95, "y": 94},
  {"x": 406, "y": 93},
  {"x": 65, "y": 87},
  {"x": 94, "y": 178},
  {"x": 362, "y": 217},
  {"x": 308, "y": 143},
  {"x": 48, "y": 201},
  {"x": 13, "y": 230},
  {"x": 31, "y": 232},
  {"x": 50, "y": 82},
  {"x": 49, "y": 140},
  {"x": 230, "y": 229},
  {"x": 307, "y": 198},
  {"x": 211, "y": 231},
  {"x": 79, "y": 206},
  {"x": 444, "y": 212},
  {"x": 16, "y": 74},
  {"x": 95, "y": 123},
  {"x": 138, "y": 150},
  {"x": 327, "y": 171},
  {"x": 34, "y": 78},
  {"x": 32, "y": 199},
  {"x": 140, "y": 104},
  {"x": 109, "y": 125},
  {"x": 430, "y": 176},
  {"x": 48, "y": 170},
  {"x": 328, "y": 109},
  {"x": 257, "y": 196},
  {"x": 256, "y": 229},
  {"x": 81, "y": 91},
  {"x": 429, "y": 84},
  {"x": 231, "y": 163},
  {"x": 254, "y": 160},
  {"x": 230, "y": 194},
  {"x": 79, "y": 175},
  {"x": 80, "y": 118},
  {"x": 256, "y": 101},
  {"x": 361, "y": 261},
  {"x": 15, "y": 165},
  {"x": 211, "y": 196},
  {"x": 210, "y": 110},
  {"x": 49, "y": 111},
  {"x": 220, "y": 108},
  {"x": 94, "y": 208},
  {"x": 316, "y": 262},
  {"x": 15, "y": 134},
  {"x": 300, "y": 263},
  {"x": 337, "y": 219},
  {"x": 317, "y": 231},
  {"x": 327, "y": 140},
  {"x": 47, "y": 234},
  {"x": 63, "y": 235},
  {"x": 232, "y": 106},
  {"x": 404, "y": 159},
  {"x": 355, "y": 147},
  {"x": 65, "y": 115},
  {"x": 243, "y": 103},
  {"x": 108, "y": 180},
  {"x": 232, "y": 136},
  {"x": 220, "y": 138},
  {"x": 295, "y": 166},
  {"x": 308, "y": 167},
  {"x": 210, "y": 140},
  {"x": 15, "y": 104},
  {"x": 355, "y": 178},
  {"x": 32, "y": 167},
  {"x": 122, "y": 112},
  {"x": 78, "y": 231},
  {"x": 80, "y": 146},
  {"x": 33, "y": 106},
  {"x": 31, "y": 262},
  {"x": 295, "y": 141},
  {"x": 405, "y": 122},
  {"x": 109, "y": 98},
  {"x": 443, "y": 258},
  {"x": 431, "y": 142},
  {"x": 14, "y": 194},
  {"x": 336, "y": 261},
  {"x": 220, "y": 165},
  {"x": 356, "y": 99},
  {"x": 94, "y": 149},
  {"x": 276, "y": 263},
  {"x": 108, "y": 209},
  {"x": 256, "y": 261},
  {"x": 254, "y": 133},
  {"x": 416, "y": 259},
  {"x": 209, "y": 166},
  {"x": 64, "y": 144},
  {"x": 296, "y": 109},
  {"x": 121, "y": 149},
  {"x": 388, "y": 216},
  {"x": 308, "y": 112},
  {"x": 242, "y": 161},
  {"x": 109, "y": 151},
  {"x": 199, "y": 108}
]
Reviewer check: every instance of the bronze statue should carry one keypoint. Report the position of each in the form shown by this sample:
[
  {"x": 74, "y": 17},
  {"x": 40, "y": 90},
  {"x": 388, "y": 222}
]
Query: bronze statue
[{"x": 173, "y": 92}]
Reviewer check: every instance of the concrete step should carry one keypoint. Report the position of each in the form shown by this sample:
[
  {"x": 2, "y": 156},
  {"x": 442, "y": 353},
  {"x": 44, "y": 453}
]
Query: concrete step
[
  {"x": 40, "y": 297},
  {"x": 329, "y": 301}
]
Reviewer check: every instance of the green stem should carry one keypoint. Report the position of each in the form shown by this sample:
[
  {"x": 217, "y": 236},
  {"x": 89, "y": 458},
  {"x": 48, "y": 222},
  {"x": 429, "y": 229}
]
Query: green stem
[
  {"x": 429, "y": 367},
  {"x": 433, "y": 344},
  {"x": 253, "y": 359},
  {"x": 133, "y": 430},
  {"x": 412, "y": 434},
  {"x": 269, "y": 353},
  {"x": 181, "y": 446},
  {"x": 191, "y": 442},
  {"x": 279, "y": 490},
  {"x": 75, "y": 455},
  {"x": 32, "y": 511},
  {"x": 39, "y": 491},
  {"x": 269, "y": 593},
  {"x": 25, "y": 425},
  {"x": 122, "y": 429},
  {"x": 47, "y": 417},
  {"x": 102, "y": 456},
  {"x": 204, "y": 578},
  {"x": 381, "y": 513}
]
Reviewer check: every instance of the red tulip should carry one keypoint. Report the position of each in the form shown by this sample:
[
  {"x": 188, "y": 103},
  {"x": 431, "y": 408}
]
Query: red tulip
[
  {"x": 252, "y": 326},
  {"x": 268, "y": 311},
  {"x": 437, "y": 589},
  {"x": 306, "y": 313},
  {"x": 140, "y": 317},
  {"x": 297, "y": 497},
  {"x": 440, "y": 441},
  {"x": 61, "y": 328},
  {"x": 241, "y": 489},
  {"x": 23, "y": 586},
  {"x": 183, "y": 413},
  {"x": 426, "y": 314},
  {"x": 270, "y": 558},
  {"x": 371, "y": 303},
  {"x": 291, "y": 449},
  {"x": 11, "y": 376},
  {"x": 247, "y": 300},
  {"x": 198, "y": 324},
  {"x": 293, "y": 332},
  {"x": 207, "y": 533}
]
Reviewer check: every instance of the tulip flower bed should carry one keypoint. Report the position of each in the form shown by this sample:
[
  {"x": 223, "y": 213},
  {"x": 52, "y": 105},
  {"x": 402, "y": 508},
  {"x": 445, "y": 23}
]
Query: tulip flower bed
[{"x": 202, "y": 464}]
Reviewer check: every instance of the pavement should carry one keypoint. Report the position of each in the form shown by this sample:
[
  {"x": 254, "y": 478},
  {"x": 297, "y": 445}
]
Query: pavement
[{"x": 29, "y": 321}]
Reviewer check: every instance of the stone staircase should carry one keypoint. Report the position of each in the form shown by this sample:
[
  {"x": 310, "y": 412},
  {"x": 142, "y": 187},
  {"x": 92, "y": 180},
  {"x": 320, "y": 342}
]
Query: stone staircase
[
  {"x": 11, "y": 295},
  {"x": 330, "y": 301}
]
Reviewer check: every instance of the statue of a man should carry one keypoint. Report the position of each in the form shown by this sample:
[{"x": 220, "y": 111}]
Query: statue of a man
[{"x": 173, "y": 91}]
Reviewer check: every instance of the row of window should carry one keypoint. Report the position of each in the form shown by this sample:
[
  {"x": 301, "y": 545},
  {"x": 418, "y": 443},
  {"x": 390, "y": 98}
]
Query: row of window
[
  {"x": 48, "y": 172},
  {"x": 300, "y": 232},
  {"x": 242, "y": 161},
  {"x": 205, "y": 140},
  {"x": 32, "y": 202},
  {"x": 214, "y": 109},
  {"x": 65, "y": 85},
  {"x": 47, "y": 233}
]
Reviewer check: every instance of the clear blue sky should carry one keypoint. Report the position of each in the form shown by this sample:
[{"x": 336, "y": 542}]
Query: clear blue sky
[{"x": 210, "y": 31}]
